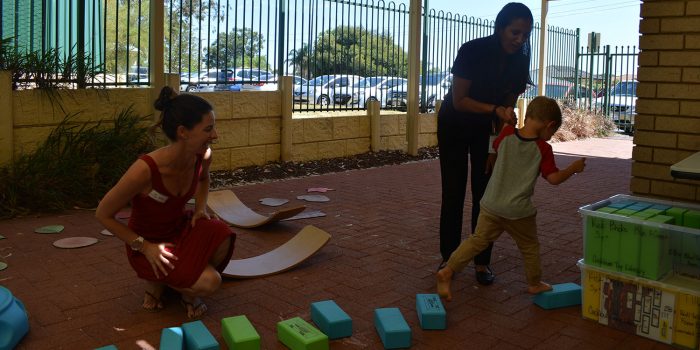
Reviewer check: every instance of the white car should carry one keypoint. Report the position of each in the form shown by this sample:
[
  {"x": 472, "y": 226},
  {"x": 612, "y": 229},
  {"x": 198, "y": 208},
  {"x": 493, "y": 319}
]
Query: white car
[
  {"x": 320, "y": 89},
  {"x": 622, "y": 103},
  {"x": 437, "y": 85},
  {"x": 367, "y": 89}
]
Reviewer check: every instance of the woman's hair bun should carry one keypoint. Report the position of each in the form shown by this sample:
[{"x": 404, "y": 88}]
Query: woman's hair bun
[{"x": 164, "y": 98}]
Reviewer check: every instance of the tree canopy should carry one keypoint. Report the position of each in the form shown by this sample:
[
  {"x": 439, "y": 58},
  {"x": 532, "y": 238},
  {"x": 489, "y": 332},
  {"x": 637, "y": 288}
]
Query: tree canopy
[
  {"x": 355, "y": 50},
  {"x": 238, "y": 48}
]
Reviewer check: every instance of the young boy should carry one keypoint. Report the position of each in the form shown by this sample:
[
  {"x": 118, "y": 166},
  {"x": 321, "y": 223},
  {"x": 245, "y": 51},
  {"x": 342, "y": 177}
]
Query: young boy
[{"x": 523, "y": 154}]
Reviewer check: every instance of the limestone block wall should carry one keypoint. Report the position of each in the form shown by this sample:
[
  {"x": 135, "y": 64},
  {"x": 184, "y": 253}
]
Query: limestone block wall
[
  {"x": 668, "y": 106},
  {"x": 249, "y": 124}
]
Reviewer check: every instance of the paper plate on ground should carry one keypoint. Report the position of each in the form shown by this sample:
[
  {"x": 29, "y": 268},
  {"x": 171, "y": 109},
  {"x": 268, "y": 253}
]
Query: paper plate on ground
[
  {"x": 106, "y": 232},
  {"x": 74, "y": 242},
  {"x": 2, "y": 266},
  {"x": 49, "y": 229},
  {"x": 273, "y": 202},
  {"x": 319, "y": 189},
  {"x": 314, "y": 198},
  {"x": 307, "y": 214},
  {"x": 2, "y": 237}
]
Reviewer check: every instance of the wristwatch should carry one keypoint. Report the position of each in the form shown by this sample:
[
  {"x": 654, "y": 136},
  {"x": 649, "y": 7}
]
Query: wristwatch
[{"x": 137, "y": 244}]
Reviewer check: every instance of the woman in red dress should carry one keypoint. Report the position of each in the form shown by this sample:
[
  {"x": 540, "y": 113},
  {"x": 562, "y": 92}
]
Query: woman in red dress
[{"x": 165, "y": 244}]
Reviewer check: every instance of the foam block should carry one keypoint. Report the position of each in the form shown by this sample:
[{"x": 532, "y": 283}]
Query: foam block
[
  {"x": 171, "y": 339},
  {"x": 677, "y": 214},
  {"x": 392, "y": 328},
  {"x": 626, "y": 212},
  {"x": 298, "y": 334},
  {"x": 621, "y": 204},
  {"x": 596, "y": 231},
  {"x": 239, "y": 333},
  {"x": 608, "y": 210},
  {"x": 561, "y": 295},
  {"x": 108, "y": 347},
  {"x": 431, "y": 313},
  {"x": 691, "y": 218},
  {"x": 655, "y": 260},
  {"x": 662, "y": 207},
  {"x": 198, "y": 337},
  {"x": 639, "y": 206},
  {"x": 331, "y": 319}
]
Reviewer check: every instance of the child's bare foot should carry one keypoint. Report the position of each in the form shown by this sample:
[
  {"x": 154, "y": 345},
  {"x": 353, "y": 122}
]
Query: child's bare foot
[
  {"x": 444, "y": 278},
  {"x": 153, "y": 293},
  {"x": 539, "y": 288}
]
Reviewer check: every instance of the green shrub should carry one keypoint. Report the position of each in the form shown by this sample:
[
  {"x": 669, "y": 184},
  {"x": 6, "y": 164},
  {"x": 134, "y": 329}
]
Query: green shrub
[
  {"x": 75, "y": 166},
  {"x": 581, "y": 124}
]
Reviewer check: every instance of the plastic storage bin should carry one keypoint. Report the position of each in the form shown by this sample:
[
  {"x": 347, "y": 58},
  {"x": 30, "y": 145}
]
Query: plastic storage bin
[
  {"x": 667, "y": 311},
  {"x": 13, "y": 320},
  {"x": 642, "y": 237}
]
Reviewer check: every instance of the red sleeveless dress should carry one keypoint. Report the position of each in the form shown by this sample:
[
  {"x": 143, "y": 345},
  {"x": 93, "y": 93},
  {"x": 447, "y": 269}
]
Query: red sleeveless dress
[{"x": 161, "y": 217}]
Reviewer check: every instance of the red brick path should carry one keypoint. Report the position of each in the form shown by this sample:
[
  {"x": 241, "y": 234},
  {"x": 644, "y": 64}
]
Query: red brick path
[{"x": 384, "y": 250}]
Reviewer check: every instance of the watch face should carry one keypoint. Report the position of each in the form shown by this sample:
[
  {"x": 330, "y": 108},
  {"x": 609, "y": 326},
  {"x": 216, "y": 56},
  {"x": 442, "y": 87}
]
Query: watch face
[{"x": 137, "y": 244}]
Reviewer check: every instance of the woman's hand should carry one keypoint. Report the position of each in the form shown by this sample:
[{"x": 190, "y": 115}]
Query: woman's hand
[
  {"x": 199, "y": 214},
  {"x": 506, "y": 114},
  {"x": 490, "y": 163},
  {"x": 159, "y": 256}
]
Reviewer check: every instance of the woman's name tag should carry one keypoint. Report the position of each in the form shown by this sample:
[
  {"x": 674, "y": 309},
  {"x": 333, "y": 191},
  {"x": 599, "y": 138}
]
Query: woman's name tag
[{"x": 157, "y": 196}]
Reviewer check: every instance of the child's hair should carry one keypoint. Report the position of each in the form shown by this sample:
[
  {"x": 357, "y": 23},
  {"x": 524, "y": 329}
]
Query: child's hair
[
  {"x": 544, "y": 109},
  {"x": 186, "y": 110}
]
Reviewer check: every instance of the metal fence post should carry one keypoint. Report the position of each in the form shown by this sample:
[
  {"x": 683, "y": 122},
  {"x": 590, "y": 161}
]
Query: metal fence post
[
  {"x": 280, "y": 42},
  {"x": 375, "y": 125},
  {"x": 6, "y": 124},
  {"x": 424, "y": 62},
  {"x": 287, "y": 87}
]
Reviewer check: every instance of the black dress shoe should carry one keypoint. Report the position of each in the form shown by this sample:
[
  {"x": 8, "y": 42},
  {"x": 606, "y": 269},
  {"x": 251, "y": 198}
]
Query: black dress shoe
[{"x": 485, "y": 278}]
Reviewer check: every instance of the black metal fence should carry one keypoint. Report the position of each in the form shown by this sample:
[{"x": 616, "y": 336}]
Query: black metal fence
[{"x": 341, "y": 53}]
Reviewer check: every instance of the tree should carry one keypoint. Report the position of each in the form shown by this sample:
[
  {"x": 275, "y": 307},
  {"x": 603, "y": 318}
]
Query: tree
[
  {"x": 300, "y": 59},
  {"x": 239, "y": 48},
  {"x": 126, "y": 34},
  {"x": 354, "y": 50}
]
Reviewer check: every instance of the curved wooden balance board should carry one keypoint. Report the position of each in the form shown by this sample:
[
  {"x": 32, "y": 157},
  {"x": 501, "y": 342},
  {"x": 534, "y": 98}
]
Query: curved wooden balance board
[
  {"x": 290, "y": 254},
  {"x": 229, "y": 208}
]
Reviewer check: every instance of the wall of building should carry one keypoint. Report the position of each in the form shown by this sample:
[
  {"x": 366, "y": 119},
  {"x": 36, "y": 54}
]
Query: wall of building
[
  {"x": 668, "y": 106},
  {"x": 249, "y": 124}
]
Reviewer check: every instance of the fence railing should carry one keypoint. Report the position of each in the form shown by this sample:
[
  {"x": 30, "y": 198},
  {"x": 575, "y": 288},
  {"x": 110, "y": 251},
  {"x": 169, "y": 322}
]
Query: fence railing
[{"x": 341, "y": 53}]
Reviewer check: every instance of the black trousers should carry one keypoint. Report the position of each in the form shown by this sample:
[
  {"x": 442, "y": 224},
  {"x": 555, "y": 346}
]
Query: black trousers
[{"x": 461, "y": 143}]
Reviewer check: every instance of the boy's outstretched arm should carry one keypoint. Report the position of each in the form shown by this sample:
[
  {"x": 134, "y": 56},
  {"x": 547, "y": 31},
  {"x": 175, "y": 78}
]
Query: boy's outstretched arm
[{"x": 563, "y": 175}]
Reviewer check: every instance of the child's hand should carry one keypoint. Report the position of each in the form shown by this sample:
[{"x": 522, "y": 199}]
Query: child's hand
[
  {"x": 578, "y": 165},
  {"x": 200, "y": 214}
]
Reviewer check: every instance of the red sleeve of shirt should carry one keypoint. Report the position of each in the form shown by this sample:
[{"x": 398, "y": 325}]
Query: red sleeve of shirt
[
  {"x": 506, "y": 131},
  {"x": 547, "y": 165}
]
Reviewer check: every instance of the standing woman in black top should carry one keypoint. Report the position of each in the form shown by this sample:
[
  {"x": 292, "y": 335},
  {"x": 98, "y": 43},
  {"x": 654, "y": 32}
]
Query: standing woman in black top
[{"x": 488, "y": 75}]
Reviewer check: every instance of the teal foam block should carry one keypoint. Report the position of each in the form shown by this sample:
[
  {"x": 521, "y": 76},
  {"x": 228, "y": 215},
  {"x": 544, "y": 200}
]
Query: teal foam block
[
  {"x": 621, "y": 204},
  {"x": 331, "y": 319},
  {"x": 239, "y": 333},
  {"x": 297, "y": 334},
  {"x": 639, "y": 206},
  {"x": 171, "y": 339},
  {"x": 661, "y": 207},
  {"x": 392, "y": 328},
  {"x": 561, "y": 295},
  {"x": 431, "y": 313},
  {"x": 108, "y": 347},
  {"x": 198, "y": 337}
]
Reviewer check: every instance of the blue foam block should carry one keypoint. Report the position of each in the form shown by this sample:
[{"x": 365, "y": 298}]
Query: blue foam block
[
  {"x": 108, "y": 347},
  {"x": 561, "y": 295},
  {"x": 662, "y": 207},
  {"x": 431, "y": 313},
  {"x": 621, "y": 204},
  {"x": 639, "y": 206},
  {"x": 171, "y": 339},
  {"x": 331, "y": 319},
  {"x": 198, "y": 337},
  {"x": 392, "y": 328}
]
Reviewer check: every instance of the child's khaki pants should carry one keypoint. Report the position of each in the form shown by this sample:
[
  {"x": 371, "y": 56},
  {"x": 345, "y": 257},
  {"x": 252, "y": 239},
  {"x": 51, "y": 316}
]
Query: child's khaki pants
[{"x": 488, "y": 228}]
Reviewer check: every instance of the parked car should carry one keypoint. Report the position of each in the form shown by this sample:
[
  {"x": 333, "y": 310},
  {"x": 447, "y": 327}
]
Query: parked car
[
  {"x": 622, "y": 103},
  {"x": 232, "y": 79},
  {"x": 189, "y": 81},
  {"x": 367, "y": 89},
  {"x": 137, "y": 74},
  {"x": 320, "y": 89},
  {"x": 562, "y": 90},
  {"x": 437, "y": 85}
]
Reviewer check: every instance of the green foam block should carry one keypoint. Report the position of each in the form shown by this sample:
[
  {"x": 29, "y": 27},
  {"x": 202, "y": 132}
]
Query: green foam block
[
  {"x": 298, "y": 334},
  {"x": 596, "y": 230},
  {"x": 677, "y": 214},
  {"x": 239, "y": 333},
  {"x": 654, "y": 249}
]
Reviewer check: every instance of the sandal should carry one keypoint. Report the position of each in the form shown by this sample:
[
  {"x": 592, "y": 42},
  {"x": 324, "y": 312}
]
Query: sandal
[
  {"x": 157, "y": 305},
  {"x": 194, "y": 309}
]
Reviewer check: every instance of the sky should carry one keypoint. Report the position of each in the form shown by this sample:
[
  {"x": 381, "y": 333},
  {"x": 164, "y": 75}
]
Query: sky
[{"x": 616, "y": 20}]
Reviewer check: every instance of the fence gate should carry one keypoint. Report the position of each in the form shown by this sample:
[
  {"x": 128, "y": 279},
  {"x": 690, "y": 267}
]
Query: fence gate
[{"x": 610, "y": 79}]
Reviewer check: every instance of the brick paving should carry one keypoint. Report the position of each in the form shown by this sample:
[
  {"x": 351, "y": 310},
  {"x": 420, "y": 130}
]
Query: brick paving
[{"x": 384, "y": 250}]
